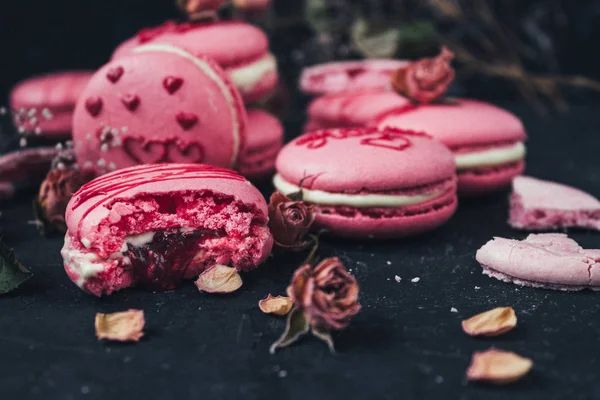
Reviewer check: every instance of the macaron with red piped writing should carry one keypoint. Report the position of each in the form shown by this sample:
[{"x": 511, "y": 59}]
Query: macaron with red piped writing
[
  {"x": 241, "y": 49},
  {"x": 159, "y": 104},
  {"x": 44, "y": 105},
  {"x": 371, "y": 183},
  {"x": 156, "y": 225}
]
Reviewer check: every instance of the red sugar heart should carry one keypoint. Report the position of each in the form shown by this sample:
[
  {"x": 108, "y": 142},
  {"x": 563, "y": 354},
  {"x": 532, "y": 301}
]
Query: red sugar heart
[
  {"x": 186, "y": 120},
  {"x": 114, "y": 74},
  {"x": 93, "y": 105},
  {"x": 131, "y": 101},
  {"x": 172, "y": 84}
]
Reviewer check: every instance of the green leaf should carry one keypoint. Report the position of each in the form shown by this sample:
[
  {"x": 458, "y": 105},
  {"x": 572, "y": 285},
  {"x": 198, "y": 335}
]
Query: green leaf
[
  {"x": 417, "y": 40},
  {"x": 297, "y": 326},
  {"x": 324, "y": 336},
  {"x": 375, "y": 39},
  {"x": 316, "y": 15},
  {"x": 12, "y": 272}
]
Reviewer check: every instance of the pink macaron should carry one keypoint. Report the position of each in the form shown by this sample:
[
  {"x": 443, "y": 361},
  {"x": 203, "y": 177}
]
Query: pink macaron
[
  {"x": 487, "y": 141},
  {"x": 371, "y": 183},
  {"x": 241, "y": 49},
  {"x": 156, "y": 225},
  {"x": 263, "y": 142},
  {"x": 44, "y": 105},
  {"x": 345, "y": 76},
  {"x": 159, "y": 104}
]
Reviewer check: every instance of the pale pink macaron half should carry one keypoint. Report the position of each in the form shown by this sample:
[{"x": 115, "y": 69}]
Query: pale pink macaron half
[
  {"x": 371, "y": 183},
  {"x": 345, "y": 76},
  {"x": 159, "y": 104},
  {"x": 44, "y": 105},
  {"x": 264, "y": 140},
  {"x": 156, "y": 225},
  {"x": 241, "y": 49}
]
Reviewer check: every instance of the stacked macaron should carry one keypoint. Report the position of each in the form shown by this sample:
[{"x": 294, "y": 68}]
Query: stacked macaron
[{"x": 487, "y": 141}]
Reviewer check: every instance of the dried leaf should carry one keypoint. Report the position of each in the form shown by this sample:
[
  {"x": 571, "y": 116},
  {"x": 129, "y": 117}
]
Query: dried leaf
[
  {"x": 375, "y": 40},
  {"x": 276, "y": 305},
  {"x": 491, "y": 323},
  {"x": 12, "y": 272},
  {"x": 498, "y": 367},
  {"x": 297, "y": 326},
  {"x": 127, "y": 326},
  {"x": 219, "y": 279},
  {"x": 324, "y": 336}
]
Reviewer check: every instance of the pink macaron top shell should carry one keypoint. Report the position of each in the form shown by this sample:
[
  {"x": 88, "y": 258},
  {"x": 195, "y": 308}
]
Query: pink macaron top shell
[
  {"x": 159, "y": 105},
  {"x": 354, "y": 109},
  {"x": 98, "y": 206},
  {"x": 60, "y": 90},
  {"x": 459, "y": 122},
  {"x": 338, "y": 77},
  {"x": 229, "y": 43},
  {"x": 536, "y": 193},
  {"x": 365, "y": 160}
]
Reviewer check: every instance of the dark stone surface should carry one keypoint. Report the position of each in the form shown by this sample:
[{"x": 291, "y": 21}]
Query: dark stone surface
[{"x": 405, "y": 344}]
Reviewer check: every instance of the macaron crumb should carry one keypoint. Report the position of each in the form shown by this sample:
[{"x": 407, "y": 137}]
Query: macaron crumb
[
  {"x": 415, "y": 280},
  {"x": 454, "y": 310},
  {"x": 397, "y": 278}
]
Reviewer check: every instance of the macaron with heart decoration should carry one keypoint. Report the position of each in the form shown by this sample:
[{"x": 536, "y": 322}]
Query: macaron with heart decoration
[
  {"x": 159, "y": 104},
  {"x": 370, "y": 183},
  {"x": 43, "y": 105},
  {"x": 241, "y": 49}
]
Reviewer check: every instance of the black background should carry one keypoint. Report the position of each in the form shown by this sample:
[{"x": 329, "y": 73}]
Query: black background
[{"x": 404, "y": 344}]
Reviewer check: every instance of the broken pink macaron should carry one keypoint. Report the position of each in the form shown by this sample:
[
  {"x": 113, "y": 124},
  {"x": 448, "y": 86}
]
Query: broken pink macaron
[
  {"x": 44, "y": 105},
  {"x": 263, "y": 142},
  {"x": 159, "y": 104},
  {"x": 338, "y": 77},
  {"x": 552, "y": 261},
  {"x": 156, "y": 225},
  {"x": 241, "y": 49},
  {"x": 537, "y": 205},
  {"x": 370, "y": 183}
]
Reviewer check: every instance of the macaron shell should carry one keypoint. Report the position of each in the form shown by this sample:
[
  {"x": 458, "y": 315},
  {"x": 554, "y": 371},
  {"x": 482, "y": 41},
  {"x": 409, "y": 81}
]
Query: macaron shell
[
  {"x": 459, "y": 122},
  {"x": 416, "y": 220},
  {"x": 476, "y": 183},
  {"x": 356, "y": 160},
  {"x": 265, "y": 138},
  {"x": 353, "y": 109},
  {"x": 158, "y": 105},
  {"x": 47, "y": 102},
  {"x": 338, "y": 77}
]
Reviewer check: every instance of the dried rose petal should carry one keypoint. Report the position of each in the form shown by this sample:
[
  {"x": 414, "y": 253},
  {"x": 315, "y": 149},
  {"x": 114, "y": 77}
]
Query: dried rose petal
[
  {"x": 124, "y": 326},
  {"x": 276, "y": 305},
  {"x": 498, "y": 367},
  {"x": 219, "y": 279},
  {"x": 491, "y": 323}
]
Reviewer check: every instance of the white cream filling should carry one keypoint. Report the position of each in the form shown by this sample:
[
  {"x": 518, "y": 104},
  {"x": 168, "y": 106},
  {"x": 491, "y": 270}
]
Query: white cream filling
[
  {"x": 353, "y": 200},
  {"x": 89, "y": 265},
  {"x": 248, "y": 76},
  {"x": 488, "y": 158},
  {"x": 208, "y": 70}
]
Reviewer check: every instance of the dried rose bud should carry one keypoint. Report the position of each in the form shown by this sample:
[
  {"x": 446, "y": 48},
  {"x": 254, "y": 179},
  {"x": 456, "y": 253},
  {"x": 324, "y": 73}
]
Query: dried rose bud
[
  {"x": 125, "y": 326},
  {"x": 327, "y": 294},
  {"x": 289, "y": 221},
  {"x": 201, "y": 8},
  {"x": 219, "y": 279},
  {"x": 498, "y": 367},
  {"x": 426, "y": 80},
  {"x": 491, "y": 323},
  {"x": 252, "y": 5},
  {"x": 54, "y": 195},
  {"x": 276, "y": 305}
]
